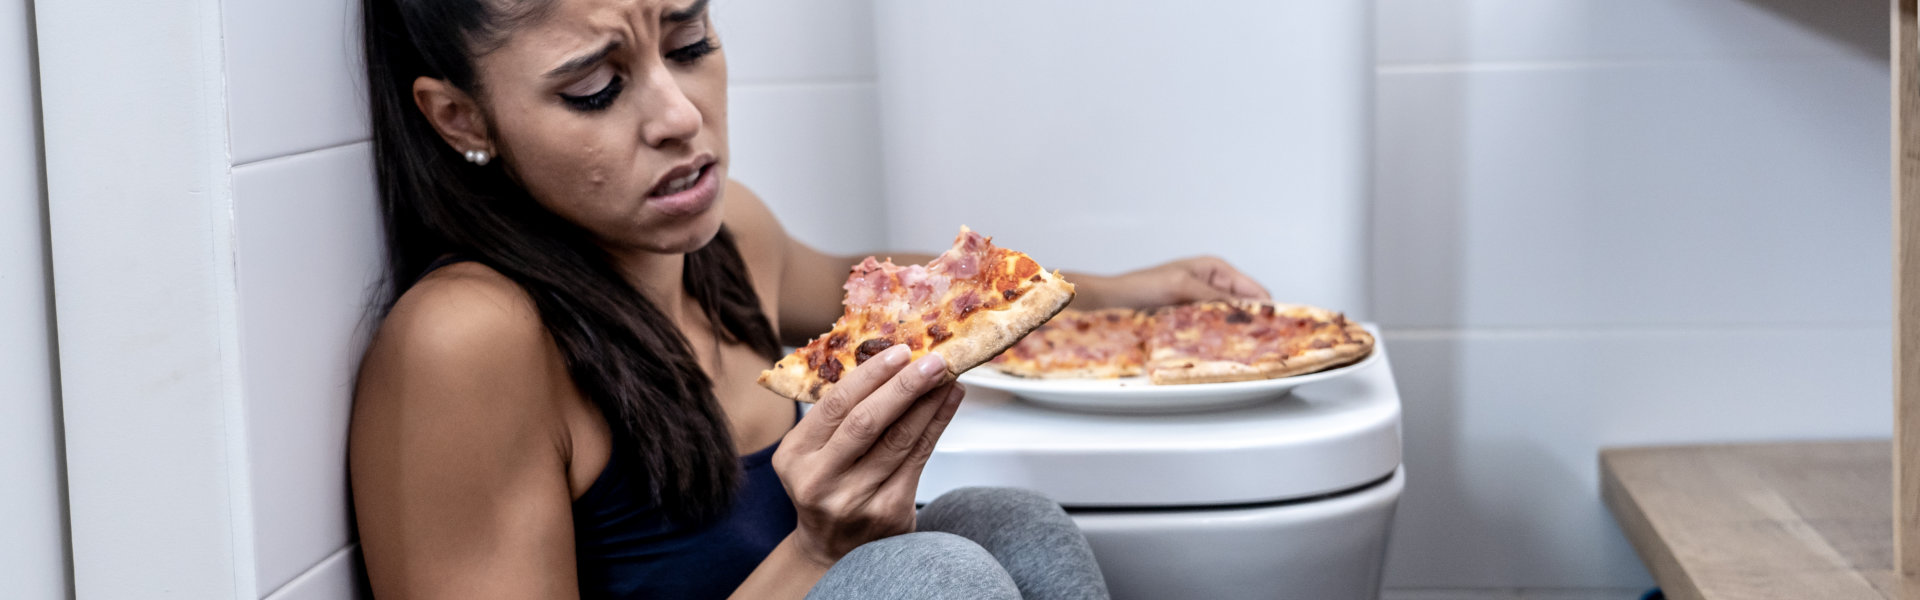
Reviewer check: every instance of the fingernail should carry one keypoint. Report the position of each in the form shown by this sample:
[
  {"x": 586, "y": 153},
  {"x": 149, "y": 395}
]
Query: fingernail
[
  {"x": 931, "y": 364},
  {"x": 894, "y": 356}
]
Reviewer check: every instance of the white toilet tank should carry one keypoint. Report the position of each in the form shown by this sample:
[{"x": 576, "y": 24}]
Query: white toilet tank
[{"x": 1107, "y": 136}]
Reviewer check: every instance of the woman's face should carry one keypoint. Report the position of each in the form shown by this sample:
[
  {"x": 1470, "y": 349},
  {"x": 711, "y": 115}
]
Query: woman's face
[{"x": 613, "y": 115}]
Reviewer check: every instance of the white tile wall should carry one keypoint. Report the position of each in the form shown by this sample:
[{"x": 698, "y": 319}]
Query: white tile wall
[
  {"x": 294, "y": 76},
  {"x": 339, "y": 577},
  {"x": 1454, "y": 31},
  {"x": 1737, "y": 192},
  {"x": 1117, "y": 140},
  {"x": 1502, "y": 433},
  {"x": 803, "y": 116},
  {"x": 309, "y": 253},
  {"x": 1605, "y": 222},
  {"x": 810, "y": 151},
  {"x": 33, "y": 521},
  {"x": 771, "y": 41},
  {"x": 140, "y": 226}
]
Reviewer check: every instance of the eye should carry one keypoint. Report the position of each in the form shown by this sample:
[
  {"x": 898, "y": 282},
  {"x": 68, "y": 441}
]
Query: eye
[
  {"x": 597, "y": 100},
  {"x": 691, "y": 53}
]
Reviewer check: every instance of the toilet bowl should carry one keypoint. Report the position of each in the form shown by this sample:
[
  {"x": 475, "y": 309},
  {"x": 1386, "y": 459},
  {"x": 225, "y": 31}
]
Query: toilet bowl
[{"x": 1291, "y": 498}]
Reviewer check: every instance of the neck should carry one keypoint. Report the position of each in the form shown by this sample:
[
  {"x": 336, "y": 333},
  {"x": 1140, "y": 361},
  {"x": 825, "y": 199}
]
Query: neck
[{"x": 658, "y": 277}]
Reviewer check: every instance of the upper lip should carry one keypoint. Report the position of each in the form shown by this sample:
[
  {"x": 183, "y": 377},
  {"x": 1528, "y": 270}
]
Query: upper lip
[{"x": 682, "y": 170}]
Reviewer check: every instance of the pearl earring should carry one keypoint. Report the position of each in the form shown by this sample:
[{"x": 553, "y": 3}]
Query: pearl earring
[{"x": 478, "y": 157}]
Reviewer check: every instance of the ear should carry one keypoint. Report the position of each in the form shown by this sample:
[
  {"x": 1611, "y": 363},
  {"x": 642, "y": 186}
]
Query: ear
[{"x": 453, "y": 113}]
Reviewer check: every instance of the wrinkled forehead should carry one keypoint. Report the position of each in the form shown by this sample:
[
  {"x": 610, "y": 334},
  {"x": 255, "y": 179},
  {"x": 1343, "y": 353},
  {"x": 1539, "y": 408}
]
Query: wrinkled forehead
[{"x": 545, "y": 32}]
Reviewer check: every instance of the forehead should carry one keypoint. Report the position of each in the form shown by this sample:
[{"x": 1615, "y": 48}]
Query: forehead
[{"x": 564, "y": 28}]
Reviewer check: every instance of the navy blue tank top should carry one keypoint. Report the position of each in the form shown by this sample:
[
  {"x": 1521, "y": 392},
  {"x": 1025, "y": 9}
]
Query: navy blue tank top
[{"x": 627, "y": 548}]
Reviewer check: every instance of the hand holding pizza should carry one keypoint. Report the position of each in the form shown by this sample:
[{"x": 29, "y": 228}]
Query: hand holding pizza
[
  {"x": 1186, "y": 280},
  {"x": 852, "y": 465}
]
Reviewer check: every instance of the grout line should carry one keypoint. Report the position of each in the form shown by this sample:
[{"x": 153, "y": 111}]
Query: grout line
[
  {"x": 302, "y": 152},
  {"x": 55, "y": 387},
  {"x": 315, "y": 571},
  {"x": 1612, "y": 63},
  {"x": 1433, "y": 333}
]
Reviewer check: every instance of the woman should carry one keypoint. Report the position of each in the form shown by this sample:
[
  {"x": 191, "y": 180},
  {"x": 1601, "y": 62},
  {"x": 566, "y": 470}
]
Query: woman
[{"x": 560, "y": 400}]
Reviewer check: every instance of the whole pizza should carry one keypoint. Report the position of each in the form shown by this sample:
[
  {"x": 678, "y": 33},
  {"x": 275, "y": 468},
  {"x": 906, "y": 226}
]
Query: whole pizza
[{"x": 969, "y": 304}]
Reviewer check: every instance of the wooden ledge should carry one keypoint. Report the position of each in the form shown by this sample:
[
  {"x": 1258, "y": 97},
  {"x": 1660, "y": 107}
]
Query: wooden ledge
[{"x": 1788, "y": 521}]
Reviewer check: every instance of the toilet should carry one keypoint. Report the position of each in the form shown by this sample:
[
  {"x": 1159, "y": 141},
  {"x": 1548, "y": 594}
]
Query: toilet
[
  {"x": 1106, "y": 137},
  {"x": 1289, "y": 498}
]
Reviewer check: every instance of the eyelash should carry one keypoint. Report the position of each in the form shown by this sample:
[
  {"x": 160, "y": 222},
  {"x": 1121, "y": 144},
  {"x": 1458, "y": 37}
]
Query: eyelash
[
  {"x": 692, "y": 53},
  {"x": 688, "y": 54},
  {"x": 597, "y": 100}
]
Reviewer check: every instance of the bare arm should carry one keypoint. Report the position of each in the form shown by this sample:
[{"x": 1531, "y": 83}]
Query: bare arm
[
  {"x": 808, "y": 280},
  {"x": 457, "y": 452},
  {"x": 810, "y": 287}
]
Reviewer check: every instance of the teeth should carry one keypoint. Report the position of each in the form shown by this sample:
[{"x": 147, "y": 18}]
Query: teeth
[{"x": 680, "y": 185}]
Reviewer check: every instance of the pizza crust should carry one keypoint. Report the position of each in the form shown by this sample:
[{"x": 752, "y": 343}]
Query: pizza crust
[
  {"x": 981, "y": 336},
  {"x": 1358, "y": 344},
  {"x": 790, "y": 378},
  {"x": 976, "y": 339}
]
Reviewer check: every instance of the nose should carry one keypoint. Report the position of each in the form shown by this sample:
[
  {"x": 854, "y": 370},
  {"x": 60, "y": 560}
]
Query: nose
[{"x": 670, "y": 115}]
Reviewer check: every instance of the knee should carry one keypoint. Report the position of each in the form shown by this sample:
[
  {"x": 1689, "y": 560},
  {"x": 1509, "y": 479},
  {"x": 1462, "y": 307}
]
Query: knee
[
  {"x": 993, "y": 503},
  {"x": 923, "y": 550},
  {"x": 926, "y": 564}
]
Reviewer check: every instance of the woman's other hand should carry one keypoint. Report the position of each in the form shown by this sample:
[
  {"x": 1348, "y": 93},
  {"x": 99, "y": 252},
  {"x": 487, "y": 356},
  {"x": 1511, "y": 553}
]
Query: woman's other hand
[
  {"x": 852, "y": 466},
  {"x": 1186, "y": 280}
]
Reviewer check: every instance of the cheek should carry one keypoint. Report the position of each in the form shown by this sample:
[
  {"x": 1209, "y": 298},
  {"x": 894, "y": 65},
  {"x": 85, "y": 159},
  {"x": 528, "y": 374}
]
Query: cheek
[{"x": 579, "y": 176}]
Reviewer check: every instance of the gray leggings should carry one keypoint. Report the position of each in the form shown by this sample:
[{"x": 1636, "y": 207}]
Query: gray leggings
[{"x": 974, "y": 544}]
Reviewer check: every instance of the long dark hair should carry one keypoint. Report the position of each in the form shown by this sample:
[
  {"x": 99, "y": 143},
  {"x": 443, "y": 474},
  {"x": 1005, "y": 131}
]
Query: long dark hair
[{"x": 622, "y": 352}]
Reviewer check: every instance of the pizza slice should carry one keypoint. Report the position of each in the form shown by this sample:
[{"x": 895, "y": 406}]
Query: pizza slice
[
  {"x": 1099, "y": 344},
  {"x": 970, "y": 303},
  {"x": 1211, "y": 342}
]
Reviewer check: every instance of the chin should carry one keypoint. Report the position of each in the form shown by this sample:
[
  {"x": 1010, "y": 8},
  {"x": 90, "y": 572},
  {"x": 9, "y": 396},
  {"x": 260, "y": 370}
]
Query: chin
[{"x": 680, "y": 236}]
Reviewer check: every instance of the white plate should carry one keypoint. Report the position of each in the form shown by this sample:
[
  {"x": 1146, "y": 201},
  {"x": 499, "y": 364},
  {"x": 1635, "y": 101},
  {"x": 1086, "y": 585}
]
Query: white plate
[{"x": 1137, "y": 395}]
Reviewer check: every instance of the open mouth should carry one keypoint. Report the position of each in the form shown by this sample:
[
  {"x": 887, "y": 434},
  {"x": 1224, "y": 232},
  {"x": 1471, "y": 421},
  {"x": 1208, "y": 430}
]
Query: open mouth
[{"x": 679, "y": 181}]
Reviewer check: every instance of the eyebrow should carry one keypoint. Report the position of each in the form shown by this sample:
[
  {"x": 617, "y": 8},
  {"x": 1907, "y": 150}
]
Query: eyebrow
[
  {"x": 686, "y": 14},
  {"x": 582, "y": 63}
]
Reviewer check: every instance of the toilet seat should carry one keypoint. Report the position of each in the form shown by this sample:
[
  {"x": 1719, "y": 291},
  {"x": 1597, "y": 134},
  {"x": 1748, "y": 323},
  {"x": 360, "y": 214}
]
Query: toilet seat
[{"x": 1325, "y": 438}]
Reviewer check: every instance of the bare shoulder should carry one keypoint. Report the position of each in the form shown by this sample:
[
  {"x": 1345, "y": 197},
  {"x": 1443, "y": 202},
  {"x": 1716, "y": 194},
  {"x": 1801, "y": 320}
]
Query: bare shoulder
[
  {"x": 755, "y": 229},
  {"x": 465, "y": 313},
  {"x": 764, "y": 245},
  {"x": 458, "y": 445},
  {"x": 465, "y": 339}
]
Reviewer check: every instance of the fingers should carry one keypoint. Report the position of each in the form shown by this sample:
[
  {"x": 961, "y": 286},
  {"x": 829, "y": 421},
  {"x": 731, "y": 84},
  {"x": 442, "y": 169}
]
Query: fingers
[
  {"x": 902, "y": 441},
  {"x": 818, "y": 426},
  {"x": 1195, "y": 288},
  {"x": 1245, "y": 287},
  {"x": 870, "y": 418},
  {"x": 901, "y": 485},
  {"x": 1220, "y": 275},
  {"x": 905, "y": 437}
]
